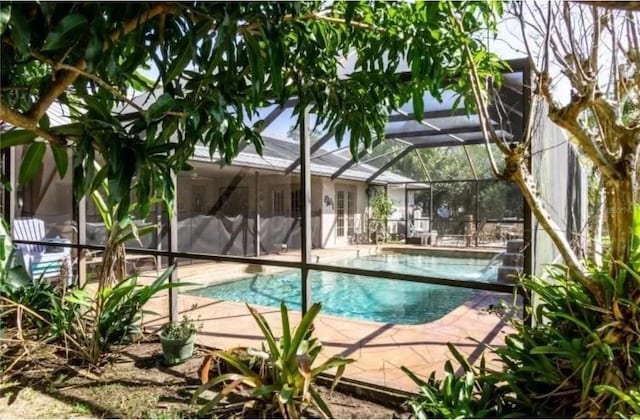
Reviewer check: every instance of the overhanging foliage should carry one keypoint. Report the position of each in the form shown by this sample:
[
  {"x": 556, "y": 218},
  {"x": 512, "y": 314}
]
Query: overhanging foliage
[{"x": 217, "y": 64}]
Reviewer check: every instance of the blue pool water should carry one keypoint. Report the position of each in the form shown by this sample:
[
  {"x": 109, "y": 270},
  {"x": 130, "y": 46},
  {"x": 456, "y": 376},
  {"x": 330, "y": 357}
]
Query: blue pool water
[{"x": 368, "y": 298}]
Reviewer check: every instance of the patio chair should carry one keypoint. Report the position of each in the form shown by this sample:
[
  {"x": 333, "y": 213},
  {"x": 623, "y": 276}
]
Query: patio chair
[{"x": 41, "y": 261}]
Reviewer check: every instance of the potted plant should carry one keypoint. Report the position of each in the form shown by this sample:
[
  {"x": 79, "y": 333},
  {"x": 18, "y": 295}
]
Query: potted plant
[{"x": 177, "y": 339}]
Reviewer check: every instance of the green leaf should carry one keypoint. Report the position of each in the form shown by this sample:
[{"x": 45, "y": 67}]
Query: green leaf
[
  {"x": 65, "y": 32},
  {"x": 286, "y": 394},
  {"x": 335, "y": 361},
  {"x": 464, "y": 363},
  {"x": 5, "y": 15},
  {"x": 319, "y": 402},
  {"x": 32, "y": 161},
  {"x": 348, "y": 13},
  {"x": 266, "y": 331},
  {"x": 20, "y": 30},
  {"x": 94, "y": 47},
  {"x": 15, "y": 138},
  {"x": 44, "y": 122},
  {"x": 61, "y": 158},
  {"x": 418, "y": 104},
  {"x": 303, "y": 328},
  {"x": 160, "y": 107},
  {"x": 286, "y": 330},
  {"x": 185, "y": 54}
]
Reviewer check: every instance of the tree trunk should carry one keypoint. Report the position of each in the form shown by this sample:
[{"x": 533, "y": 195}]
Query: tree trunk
[
  {"x": 595, "y": 226},
  {"x": 113, "y": 267},
  {"x": 619, "y": 201},
  {"x": 523, "y": 179}
]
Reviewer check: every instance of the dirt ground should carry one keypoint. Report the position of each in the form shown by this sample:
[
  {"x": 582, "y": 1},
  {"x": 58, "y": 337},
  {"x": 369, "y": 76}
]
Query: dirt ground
[{"x": 135, "y": 384}]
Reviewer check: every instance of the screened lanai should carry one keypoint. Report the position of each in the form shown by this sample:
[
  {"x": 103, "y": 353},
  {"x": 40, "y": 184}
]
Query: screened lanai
[{"x": 277, "y": 226}]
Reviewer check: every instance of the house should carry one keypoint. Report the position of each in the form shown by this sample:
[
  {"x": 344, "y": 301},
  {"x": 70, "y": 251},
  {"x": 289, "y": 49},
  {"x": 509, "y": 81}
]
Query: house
[
  {"x": 249, "y": 208},
  {"x": 254, "y": 205}
]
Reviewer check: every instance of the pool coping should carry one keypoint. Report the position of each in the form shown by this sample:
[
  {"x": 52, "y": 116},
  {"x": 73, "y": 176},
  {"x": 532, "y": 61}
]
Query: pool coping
[{"x": 444, "y": 252}]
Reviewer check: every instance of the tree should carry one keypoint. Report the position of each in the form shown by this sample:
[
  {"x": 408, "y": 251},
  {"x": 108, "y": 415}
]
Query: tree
[
  {"x": 594, "y": 49},
  {"x": 597, "y": 52},
  {"x": 218, "y": 63}
]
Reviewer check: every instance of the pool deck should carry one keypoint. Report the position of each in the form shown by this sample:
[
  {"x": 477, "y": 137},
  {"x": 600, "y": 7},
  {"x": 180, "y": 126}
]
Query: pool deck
[{"x": 378, "y": 349}]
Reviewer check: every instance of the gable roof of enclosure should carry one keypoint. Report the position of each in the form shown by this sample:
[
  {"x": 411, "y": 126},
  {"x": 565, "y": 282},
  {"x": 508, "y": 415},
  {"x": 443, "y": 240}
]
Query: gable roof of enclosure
[{"x": 441, "y": 126}]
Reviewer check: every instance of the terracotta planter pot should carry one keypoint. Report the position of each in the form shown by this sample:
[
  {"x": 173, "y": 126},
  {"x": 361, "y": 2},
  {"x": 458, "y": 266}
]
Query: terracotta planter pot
[{"x": 177, "y": 351}]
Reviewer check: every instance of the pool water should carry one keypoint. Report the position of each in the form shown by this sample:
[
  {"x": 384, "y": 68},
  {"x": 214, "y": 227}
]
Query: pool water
[{"x": 368, "y": 298}]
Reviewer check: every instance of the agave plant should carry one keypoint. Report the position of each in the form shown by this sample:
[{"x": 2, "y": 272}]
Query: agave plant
[{"x": 284, "y": 379}]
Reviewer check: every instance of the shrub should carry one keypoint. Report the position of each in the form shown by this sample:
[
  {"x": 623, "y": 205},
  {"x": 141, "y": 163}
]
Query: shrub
[
  {"x": 580, "y": 358},
  {"x": 475, "y": 394}
]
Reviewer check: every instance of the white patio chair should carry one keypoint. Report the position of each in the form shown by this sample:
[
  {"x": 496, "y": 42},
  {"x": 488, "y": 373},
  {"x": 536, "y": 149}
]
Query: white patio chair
[{"x": 42, "y": 261}]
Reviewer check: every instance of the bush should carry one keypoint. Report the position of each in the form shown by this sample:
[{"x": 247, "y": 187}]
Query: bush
[
  {"x": 581, "y": 357},
  {"x": 475, "y": 394}
]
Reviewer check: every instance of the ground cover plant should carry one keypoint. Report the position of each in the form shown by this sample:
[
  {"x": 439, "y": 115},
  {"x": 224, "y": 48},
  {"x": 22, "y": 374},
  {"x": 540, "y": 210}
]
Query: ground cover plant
[{"x": 135, "y": 383}]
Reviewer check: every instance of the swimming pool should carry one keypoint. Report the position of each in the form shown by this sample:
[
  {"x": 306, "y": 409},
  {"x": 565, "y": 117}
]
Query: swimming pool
[{"x": 368, "y": 298}]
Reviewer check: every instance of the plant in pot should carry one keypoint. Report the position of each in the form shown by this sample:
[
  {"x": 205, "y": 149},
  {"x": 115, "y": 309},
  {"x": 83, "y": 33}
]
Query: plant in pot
[{"x": 177, "y": 339}]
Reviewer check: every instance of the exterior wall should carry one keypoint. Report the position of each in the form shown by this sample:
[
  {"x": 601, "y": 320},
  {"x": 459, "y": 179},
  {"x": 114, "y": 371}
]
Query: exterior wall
[
  {"x": 199, "y": 192},
  {"x": 328, "y": 228},
  {"x": 317, "y": 208},
  {"x": 197, "y": 195},
  {"x": 328, "y": 218}
]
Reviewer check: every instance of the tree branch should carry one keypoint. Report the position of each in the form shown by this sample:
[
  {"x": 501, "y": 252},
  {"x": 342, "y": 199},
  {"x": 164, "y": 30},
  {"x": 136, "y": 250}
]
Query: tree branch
[
  {"x": 519, "y": 173},
  {"x": 488, "y": 131},
  {"x": 567, "y": 118},
  {"x": 353, "y": 23},
  {"x": 19, "y": 120},
  {"x": 98, "y": 80},
  {"x": 68, "y": 77},
  {"x": 631, "y": 6},
  {"x": 525, "y": 181}
]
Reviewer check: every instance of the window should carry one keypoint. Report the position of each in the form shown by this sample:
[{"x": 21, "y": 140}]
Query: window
[
  {"x": 340, "y": 213},
  {"x": 278, "y": 203},
  {"x": 351, "y": 211},
  {"x": 296, "y": 203}
]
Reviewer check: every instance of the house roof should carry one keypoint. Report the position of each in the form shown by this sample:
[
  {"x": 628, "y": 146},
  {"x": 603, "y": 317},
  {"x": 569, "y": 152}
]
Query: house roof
[{"x": 278, "y": 155}]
